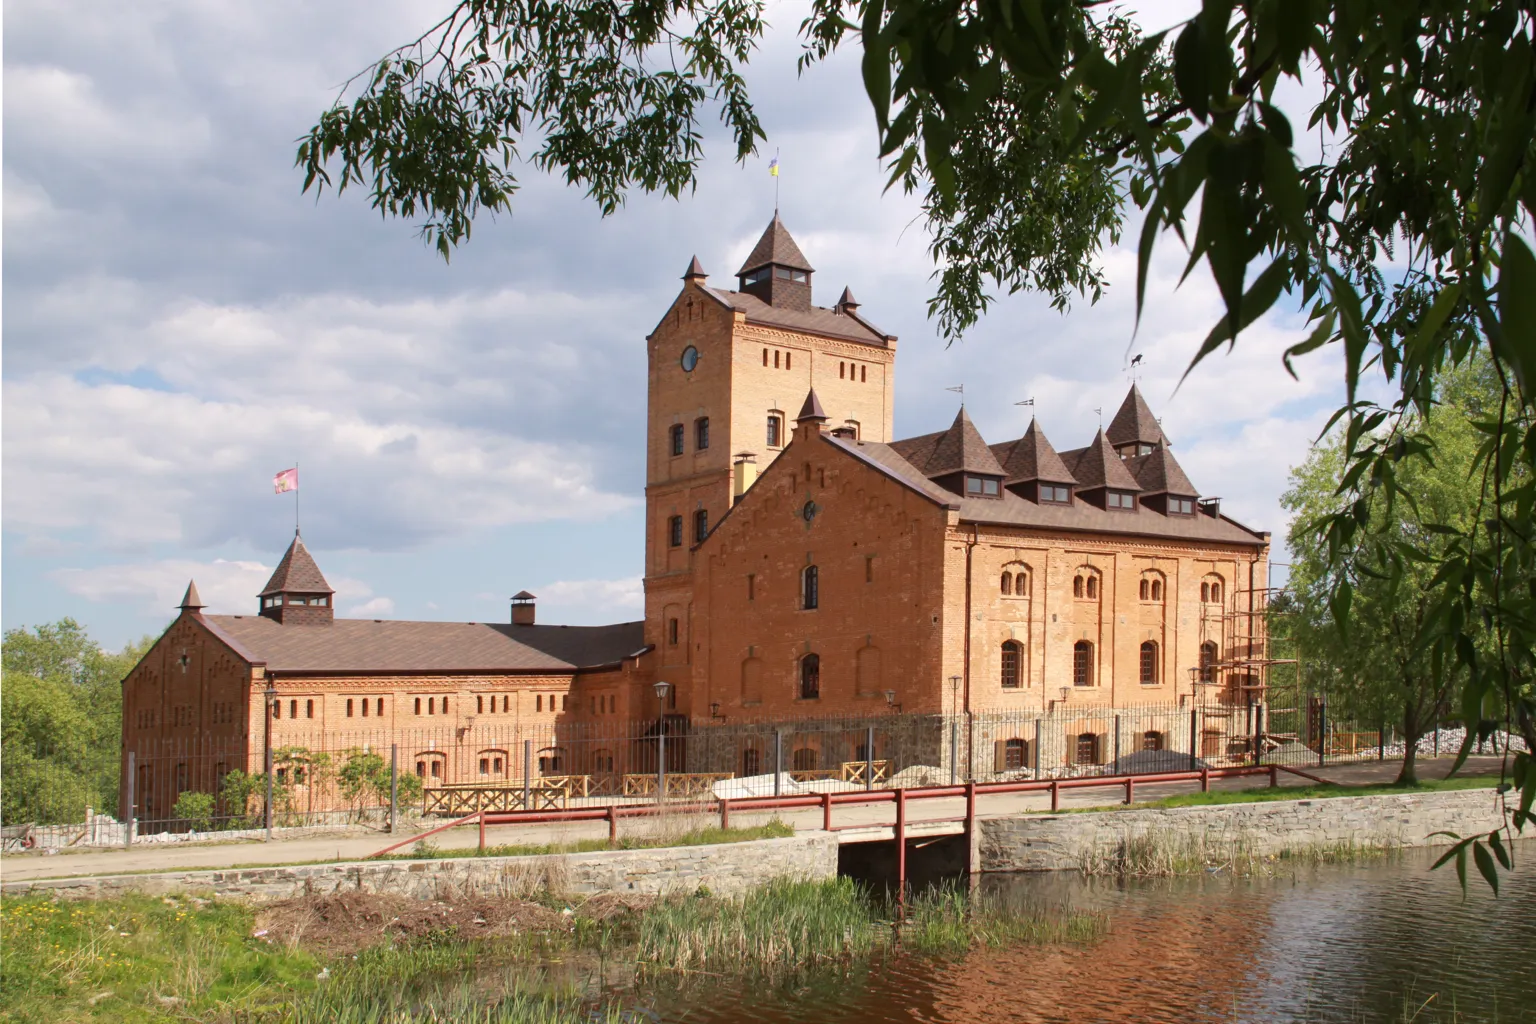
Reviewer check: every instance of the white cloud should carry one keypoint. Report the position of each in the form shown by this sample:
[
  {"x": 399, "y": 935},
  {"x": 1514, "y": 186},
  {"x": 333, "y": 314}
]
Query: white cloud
[
  {"x": 380, "y": 607},
  {"x": 226, "y": 587},
  {"x": 595, "y": 598}
]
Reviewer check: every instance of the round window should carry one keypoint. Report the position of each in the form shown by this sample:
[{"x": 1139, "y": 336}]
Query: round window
[
  {"x": 809, "y": 511},
  {"x": 690, "y": 359}
]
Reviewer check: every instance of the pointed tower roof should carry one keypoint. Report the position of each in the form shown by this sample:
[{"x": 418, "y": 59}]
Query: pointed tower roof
[
  {"x": 1134, "y": 423},
  {"x": 1098, "y": 466},
  {"x": 695, "y": 269},
  {"x": 776, "y": 246},
  {"x": 297, "y": 573},
  {"x": 960, "y": 449},
  {"x": 1031, "y": 457},
  {"x": 847, "y": 301},
  {"x": 812, "y": 409},
  {"x": 1159, "y": 473},
  {"x": 192, "y": 601}
]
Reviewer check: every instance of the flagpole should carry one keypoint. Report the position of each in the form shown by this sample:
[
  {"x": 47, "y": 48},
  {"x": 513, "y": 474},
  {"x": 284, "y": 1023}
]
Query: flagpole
[
  {"x": 295, "y": 497},
  {"x": 775, "y": 182}
]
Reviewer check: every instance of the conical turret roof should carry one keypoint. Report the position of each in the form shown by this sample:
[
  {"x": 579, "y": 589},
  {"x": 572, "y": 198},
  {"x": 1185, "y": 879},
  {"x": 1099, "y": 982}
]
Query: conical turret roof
[
  {"x": 777, "y": 247},
  {"x": 695, "y": 269},
  {"x": 960, "y": 449},
  {"x": 1134, "y": 423},
  {"x": 297, "y": 573},
  {"x": 812, "y": 409},
  {"x": 192, "y": 601},
  {"x": 1031, "y": 457},
  {"x": 1098, "y": 466}
]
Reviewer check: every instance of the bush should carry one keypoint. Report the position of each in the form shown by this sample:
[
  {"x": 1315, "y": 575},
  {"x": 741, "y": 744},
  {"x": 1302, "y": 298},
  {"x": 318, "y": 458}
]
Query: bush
[{"x": 195, "y": 808}]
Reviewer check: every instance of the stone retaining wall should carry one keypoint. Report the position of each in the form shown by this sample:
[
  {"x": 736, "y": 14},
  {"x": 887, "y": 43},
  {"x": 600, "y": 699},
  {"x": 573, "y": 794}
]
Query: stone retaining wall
[
  {"x": 1064, "y": 842},
  {"x": 724, "y": 869}
]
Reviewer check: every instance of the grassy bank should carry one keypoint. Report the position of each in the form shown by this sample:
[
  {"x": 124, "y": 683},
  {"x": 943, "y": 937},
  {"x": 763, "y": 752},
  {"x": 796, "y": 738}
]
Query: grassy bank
[
  {"x": 1321, "y": 791},
  {"x": 374, "y": 959},
  {"x": 1168, "y": 853}
]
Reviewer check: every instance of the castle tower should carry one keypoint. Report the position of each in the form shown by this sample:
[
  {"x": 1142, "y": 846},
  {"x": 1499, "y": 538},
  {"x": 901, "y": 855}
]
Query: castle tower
[
  {"x": 727, "y": 370},
  {"x": 297, "y": 594}
]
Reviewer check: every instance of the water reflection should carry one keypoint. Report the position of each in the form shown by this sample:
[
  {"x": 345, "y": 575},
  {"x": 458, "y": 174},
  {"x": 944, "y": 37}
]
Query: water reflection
[{"x": 1349, "y": 944}]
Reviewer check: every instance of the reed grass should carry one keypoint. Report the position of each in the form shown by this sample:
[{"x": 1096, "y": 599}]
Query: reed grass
[
  {"x": 947, "y": 920},
  {"x": 1167, "y": 853}
]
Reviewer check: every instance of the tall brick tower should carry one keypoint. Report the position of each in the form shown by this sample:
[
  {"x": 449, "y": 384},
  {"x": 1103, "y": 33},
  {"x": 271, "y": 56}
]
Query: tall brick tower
[{"x": 727, "y": 370}]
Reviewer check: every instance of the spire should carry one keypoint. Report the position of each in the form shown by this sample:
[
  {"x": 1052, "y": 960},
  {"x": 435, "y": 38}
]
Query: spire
[
  {"x": 695, "y": 271},
  {"x": 192, "y": 601},
  {"x": 1134, "y": 423},
  {"x": 847, "y": 301},
  {"x": 1098, "y": 466},
  {"x": 776, "y": 247},
  {"x": 1031, "y": 457},
  {"x": 960, "y": 449},
  {"x": 811, "y": 410}
]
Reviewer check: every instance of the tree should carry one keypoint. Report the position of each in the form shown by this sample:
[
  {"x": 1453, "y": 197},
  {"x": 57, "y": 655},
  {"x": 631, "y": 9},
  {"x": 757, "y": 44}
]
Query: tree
[
  {"x": 60, "y": 722},
  {"x": 1426, "y": 112},
  {"x": 1388, "y": 663},
  {"x": 365, "y": 775}
]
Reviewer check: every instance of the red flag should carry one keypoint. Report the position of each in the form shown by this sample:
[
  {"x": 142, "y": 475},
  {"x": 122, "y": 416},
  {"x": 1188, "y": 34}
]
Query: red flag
[{"x": 287, "y": 480}]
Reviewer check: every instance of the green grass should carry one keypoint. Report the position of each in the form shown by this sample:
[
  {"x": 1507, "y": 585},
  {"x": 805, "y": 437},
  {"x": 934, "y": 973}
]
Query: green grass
[
  {"x": 708, "y": 836},
  {"x": 1312, "y": 792},
  {"x": 138, "y": 959}
]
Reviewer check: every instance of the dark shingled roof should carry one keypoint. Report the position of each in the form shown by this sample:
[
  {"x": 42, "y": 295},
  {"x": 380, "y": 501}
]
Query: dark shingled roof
[
  {"x": 775, "y": 247},
  {"x": 847, "y": 325},
  {"x": 367, "y": 647},
  {"x": 960, "y": 449},
  {"x": 297, "y": 573},
  {"x": 695, "y": 269},
  {"x": 1098, "y": 466},
  {"x": 1031, "y": 457},
  {"x": 1079, "y": 516},
  {"x": 1158, "y": 473},
  {"x": 1134, "y": 422}
]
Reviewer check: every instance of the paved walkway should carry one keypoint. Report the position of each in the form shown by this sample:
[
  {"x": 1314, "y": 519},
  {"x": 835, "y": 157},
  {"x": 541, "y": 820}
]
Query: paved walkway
[{"x": 189, "y": 857}]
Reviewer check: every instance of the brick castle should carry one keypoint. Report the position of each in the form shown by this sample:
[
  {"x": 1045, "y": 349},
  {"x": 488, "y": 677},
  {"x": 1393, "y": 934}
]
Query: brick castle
[{"x": 799, "y": 562}]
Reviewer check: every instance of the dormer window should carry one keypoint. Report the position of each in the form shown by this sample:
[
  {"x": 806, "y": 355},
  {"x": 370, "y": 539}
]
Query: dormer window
[
  {"x": 1122, "y": 500},
  {"x": 1181, "y": 506},
  {"x": 1055, "y": 494},
  {"x": 983, "y": 486}
]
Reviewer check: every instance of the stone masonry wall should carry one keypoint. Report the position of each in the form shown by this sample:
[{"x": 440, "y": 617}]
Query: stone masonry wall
[
  {"x": 1062, "y": 842},
  {"x": 725, "y": 869}
]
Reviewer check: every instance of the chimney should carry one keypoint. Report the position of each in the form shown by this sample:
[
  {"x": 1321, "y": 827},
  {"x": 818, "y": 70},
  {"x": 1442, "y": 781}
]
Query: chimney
[
  {"x": 522, "y": 608},
  {"x": 743, "y": 475}
]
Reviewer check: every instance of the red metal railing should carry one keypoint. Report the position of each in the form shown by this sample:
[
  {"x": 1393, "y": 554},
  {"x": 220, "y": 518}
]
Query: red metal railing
[{"x": 826, "y": 801}]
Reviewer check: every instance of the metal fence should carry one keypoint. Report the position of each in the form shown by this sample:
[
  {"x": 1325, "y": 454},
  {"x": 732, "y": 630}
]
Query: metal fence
[{"x": 171, "y": 787}]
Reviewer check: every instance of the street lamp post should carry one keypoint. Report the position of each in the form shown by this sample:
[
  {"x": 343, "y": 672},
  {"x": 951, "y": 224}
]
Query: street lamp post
[
  {"x": 662, "y": 689},
  {"x": 270, "y": 694}
]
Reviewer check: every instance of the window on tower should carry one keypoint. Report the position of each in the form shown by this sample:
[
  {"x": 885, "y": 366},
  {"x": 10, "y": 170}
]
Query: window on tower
[
  {"x": 675, "y": 532},
  {"x": 700, "y": 525},
  {"x": 701, "y": 433},
  {"x": 677, "y": 439},
  {"x": 775, "y": 430}
]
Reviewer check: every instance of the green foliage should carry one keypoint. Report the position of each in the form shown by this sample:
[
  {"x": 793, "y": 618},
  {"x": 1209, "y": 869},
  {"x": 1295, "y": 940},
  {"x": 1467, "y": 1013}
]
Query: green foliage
[
  {"x": 60, "y": 723},
  {"x": 364, "y": 779},
  {"x": 196, "y": 808},
  {"x": 235, "y": 794},
  {"x": 610, "y": 92}
]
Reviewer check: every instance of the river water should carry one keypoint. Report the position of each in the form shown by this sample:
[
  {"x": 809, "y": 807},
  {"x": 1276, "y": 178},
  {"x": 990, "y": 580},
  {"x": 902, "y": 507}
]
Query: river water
[{"x": 1372, "y": 943}]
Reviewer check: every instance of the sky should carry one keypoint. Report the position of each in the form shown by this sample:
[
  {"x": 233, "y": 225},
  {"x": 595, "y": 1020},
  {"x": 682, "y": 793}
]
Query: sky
[{"x": 181, "y": 322}]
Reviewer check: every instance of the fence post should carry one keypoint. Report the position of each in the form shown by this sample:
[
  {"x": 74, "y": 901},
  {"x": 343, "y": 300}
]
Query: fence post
[
  {"x": 725, "y": 814},
  {"x": 1055, "y": 795},
  {"x": 613, "y": 824},
  {"x": 661, "y": 763},
  {"x": 1038, "y": 734},
  {"x": 129, "y": 818},
  {"x": 1194, "y": 736},
  {"x": 268, "y": 814},
  {"x": 527, "y": 775},
  {"x": 901, "y": 849},
  {"x": 778, "y": 762},
  {"x": 1130, "y": 791},
  {"x": 482, "y": 830},
  {"x": 1117, "y": 744},
  {"x": 394, "y": 787},
  {"x": 869, "y": 758},
  {"x": 1322, "y": 733},
  {"x": 954, "y": 749},
  {"x": 826, "y": 812},
  {"x": 1205, "y": 780},
  {"x": 1381, "y": 739}
]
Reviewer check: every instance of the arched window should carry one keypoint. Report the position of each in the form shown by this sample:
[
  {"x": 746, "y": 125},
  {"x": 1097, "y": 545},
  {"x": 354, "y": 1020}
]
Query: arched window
[
  {"x": 1013, "y": 657},
  {"x": 1205, "y": 592},
  {"x": 1077, "y": 586},
  {"x": 751, "y": 761},
  {"x": 1091, "y": 587},
  {"x": 1208, "y": 659},
  {"x": 1216, "y": 593},
  {"x": 701, "y": 433},
  {"x": 675, "y": 532},
  {"x": 841, "y": 369},
  {"x": 1082, "y": 663},
  {"x": 1146, "y": 589},
  {"x": 775, "y": 430},
  {"x": 1210, "y": 590},
  {"x": 752, "y": 681},
  {"x": 1007, "y": 584},
  {"x": 1019, "y": 583},
  {"x": 810, "y": 677},
  {"x": 1087, "y": 748},
  {"x": 810, "y": 588},
  {"x": 349, "y": 707},
  {"x": 1149, "y": 663},
  {"x": 1157, "y": 590},
  {"x": 804, "y": 759}
]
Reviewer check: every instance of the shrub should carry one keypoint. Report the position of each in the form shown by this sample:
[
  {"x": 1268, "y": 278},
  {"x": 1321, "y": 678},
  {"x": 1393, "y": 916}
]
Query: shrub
[{"x": 196, "y": 808}]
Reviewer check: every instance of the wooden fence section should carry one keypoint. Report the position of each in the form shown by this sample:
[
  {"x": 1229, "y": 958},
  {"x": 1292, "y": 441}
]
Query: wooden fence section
[
  {"x": 679, "y": 784},
  {"x": 459, "y": 800}
]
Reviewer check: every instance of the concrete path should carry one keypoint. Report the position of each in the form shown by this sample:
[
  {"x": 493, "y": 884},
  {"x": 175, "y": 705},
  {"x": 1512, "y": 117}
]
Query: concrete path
[{"x": 19, "y": 867}]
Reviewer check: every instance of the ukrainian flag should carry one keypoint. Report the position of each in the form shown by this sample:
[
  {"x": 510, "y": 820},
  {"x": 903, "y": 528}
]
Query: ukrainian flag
[{"x": 773, "y": 167}]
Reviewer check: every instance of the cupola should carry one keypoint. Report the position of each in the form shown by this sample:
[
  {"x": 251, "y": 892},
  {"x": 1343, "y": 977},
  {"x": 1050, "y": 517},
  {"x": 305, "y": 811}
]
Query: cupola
[
  {"x": 777, "y": 271},
  {"x": 1134, "y": 430},
  {"x": 297, "y": 594}
]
